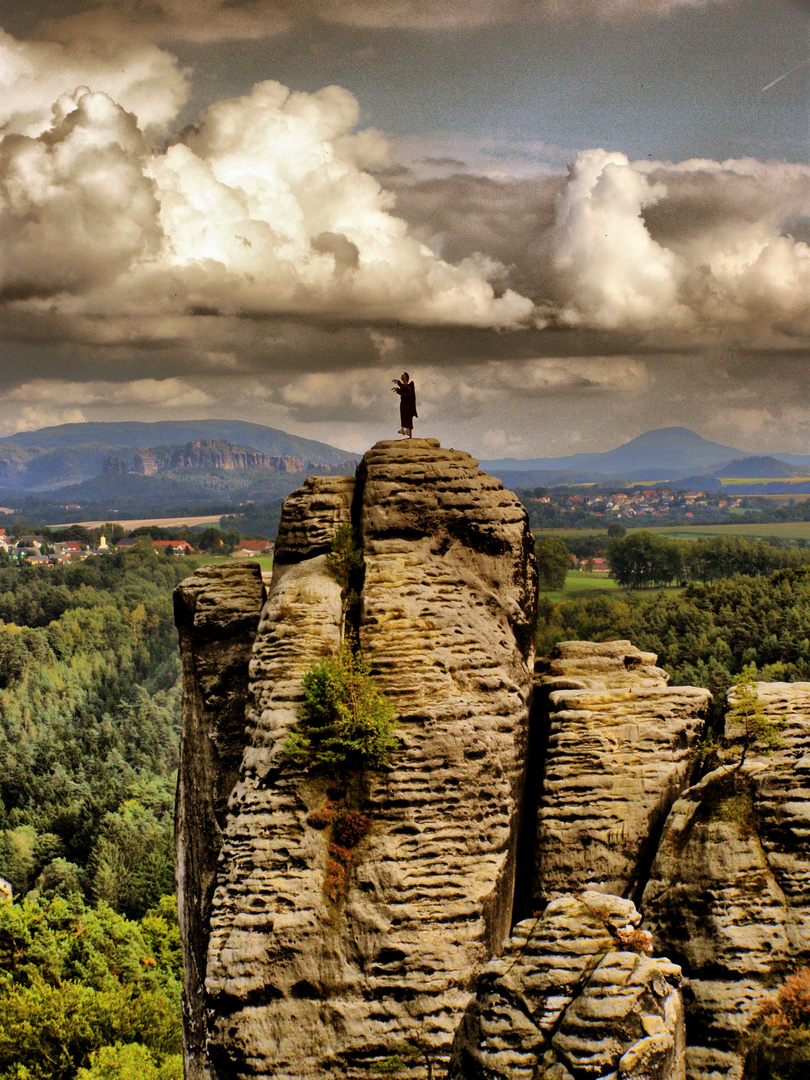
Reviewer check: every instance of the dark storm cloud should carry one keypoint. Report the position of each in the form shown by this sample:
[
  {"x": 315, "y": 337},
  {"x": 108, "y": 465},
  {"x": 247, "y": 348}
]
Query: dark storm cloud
[{"x": 212, "y": 20}]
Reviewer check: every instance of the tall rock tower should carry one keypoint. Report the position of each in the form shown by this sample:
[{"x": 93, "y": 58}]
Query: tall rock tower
[{"x": 284, "y": 981}]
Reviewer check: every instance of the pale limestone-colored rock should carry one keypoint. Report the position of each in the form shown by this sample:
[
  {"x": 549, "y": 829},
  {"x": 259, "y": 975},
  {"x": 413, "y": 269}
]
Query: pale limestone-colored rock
[
  {"x": 562, "y": 1002},
  {"x": 729, "y": 891},
  {"x": 217, "y": 613},
  {"x": 593, "y": 665},
  {"x": 311, "y": 515},
  {"x": 618, "y": 755},
  {"x": 295, "y": 987}
]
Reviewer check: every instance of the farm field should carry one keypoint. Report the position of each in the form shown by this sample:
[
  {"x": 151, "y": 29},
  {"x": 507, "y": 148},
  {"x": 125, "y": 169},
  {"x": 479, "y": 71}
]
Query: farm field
[
  {"x": 727, "y": 481},
  {"x": 140, "y": 523}
]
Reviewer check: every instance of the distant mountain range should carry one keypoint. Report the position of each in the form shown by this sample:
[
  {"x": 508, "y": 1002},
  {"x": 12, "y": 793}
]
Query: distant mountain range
[
  {"x": 136, "y": 466},
  {"x": 139, "y": 469},
  {"x": 673, "y": 453}
]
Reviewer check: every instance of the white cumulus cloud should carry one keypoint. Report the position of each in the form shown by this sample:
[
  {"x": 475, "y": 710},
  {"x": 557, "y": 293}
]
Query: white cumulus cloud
[
  {"x": 75, "y": 204},
  {"x": 142, "y": 78},
  {"x": 608, "y": 271},
  {"x": 264, "y": 208},
  {"x": 683, "y": 248}
]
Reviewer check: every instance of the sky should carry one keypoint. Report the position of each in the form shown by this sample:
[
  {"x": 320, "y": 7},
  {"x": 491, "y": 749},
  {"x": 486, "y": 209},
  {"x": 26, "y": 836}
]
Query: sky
[{"x": 571, "y": 221}]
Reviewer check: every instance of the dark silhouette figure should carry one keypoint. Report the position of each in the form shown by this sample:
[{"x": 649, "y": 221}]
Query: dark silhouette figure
[{"x": 407, "y": 403}]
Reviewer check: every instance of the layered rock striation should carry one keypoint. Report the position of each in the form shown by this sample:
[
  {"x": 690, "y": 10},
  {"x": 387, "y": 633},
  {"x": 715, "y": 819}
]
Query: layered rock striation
[
  {"x": 297, "y": 985},
  {"x": 618, "y": 754},
  {"x": 574, "y": 996},
  {"x": 311, "y": 516},
  {"x": 729, "y": 891}
]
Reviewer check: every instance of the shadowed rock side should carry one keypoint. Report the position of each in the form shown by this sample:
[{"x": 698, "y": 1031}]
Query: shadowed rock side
[
  {"x": 311, "y": 516},
  {"x": 300, "y": 987},
  {"x": 729, "y": 892},
  {"x": 618, "y": 755},
  {"x": 217, "y": 612},
  {"x": 570, "y": 1000}
]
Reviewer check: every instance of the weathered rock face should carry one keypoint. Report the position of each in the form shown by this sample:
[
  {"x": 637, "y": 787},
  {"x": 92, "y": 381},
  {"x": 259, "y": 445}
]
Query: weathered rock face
[
  {"x": 298, "y": 986},
  {"x": 311, "y": 516},
  {"x": 146, "y": 463},
  {"x": 217, "y": 454},
  {"x": 217, "y": 613},
  {"x": 729, "y": 891},
  {"x": 403, "y": 965},
  {"x": 568, "y": 1000},
  {"x": 618, "y": 755}
]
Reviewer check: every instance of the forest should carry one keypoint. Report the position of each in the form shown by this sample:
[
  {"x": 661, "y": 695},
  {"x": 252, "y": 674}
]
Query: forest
[
  {"x": 90, "y": 975},
  {"x": 90, "y": 702}
]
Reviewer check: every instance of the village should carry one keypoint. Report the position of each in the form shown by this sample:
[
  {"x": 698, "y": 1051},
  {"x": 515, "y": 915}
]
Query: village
[
  {"x": 40, "y": 550},
  {"x": 567, "y": 507},
  {"x": 653, "y": 502}
]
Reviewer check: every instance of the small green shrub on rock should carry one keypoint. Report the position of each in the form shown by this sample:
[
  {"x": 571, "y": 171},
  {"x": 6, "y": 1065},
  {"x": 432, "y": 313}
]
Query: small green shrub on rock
[
  {"x": 750, "y": 725},
  {"x": 345, "y": 723},
  {"x": 346, "y": 556}
]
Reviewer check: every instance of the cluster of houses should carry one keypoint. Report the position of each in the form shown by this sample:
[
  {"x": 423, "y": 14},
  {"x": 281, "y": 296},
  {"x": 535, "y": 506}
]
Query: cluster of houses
[
  {"x": 595, "y": 565},
  {"x": 652, "y": 502},
  {"x": 38, "y": 551},
  {"x": 658, "y": 502}
]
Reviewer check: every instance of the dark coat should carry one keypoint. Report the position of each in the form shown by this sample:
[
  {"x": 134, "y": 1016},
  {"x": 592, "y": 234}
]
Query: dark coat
[{"x": 407, "y": 404}]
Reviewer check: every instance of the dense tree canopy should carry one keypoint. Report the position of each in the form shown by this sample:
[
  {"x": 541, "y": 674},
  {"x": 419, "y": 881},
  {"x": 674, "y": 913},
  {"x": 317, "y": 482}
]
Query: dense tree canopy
[
  {"x": 642, "y": 559},
  {"x": 83, "y": 988},
  {"x": 89, "y": 701}
]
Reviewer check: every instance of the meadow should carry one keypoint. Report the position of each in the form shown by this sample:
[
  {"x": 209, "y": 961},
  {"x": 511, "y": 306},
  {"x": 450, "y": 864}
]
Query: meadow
[{"x": 583, "y": 583}]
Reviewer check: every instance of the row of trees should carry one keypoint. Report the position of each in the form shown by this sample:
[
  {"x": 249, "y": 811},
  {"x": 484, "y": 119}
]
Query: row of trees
[{"x": 642, "y": 559}]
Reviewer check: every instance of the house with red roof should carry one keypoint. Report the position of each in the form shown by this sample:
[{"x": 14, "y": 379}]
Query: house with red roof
[
  {"x": 179, "y": 547},
  {"x": 247, "y": 549}
]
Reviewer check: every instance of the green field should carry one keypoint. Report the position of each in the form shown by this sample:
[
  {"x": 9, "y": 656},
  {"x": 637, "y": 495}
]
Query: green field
[
  {"x": 563, "y": 533},
  {"x": 580, "y": 583},
  {"x": 785, "y": 530}
]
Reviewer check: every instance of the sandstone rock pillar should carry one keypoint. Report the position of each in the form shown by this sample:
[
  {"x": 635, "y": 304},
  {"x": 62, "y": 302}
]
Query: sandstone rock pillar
[
  {"x": 618, "y": 755},
  {"x": 297, "y": 985},
  {"x": 217, "y": 613},
  {"x": 729, "y": 892}
]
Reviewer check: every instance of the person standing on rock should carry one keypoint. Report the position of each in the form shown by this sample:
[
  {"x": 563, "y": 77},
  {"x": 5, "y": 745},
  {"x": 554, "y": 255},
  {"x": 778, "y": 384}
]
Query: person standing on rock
[{"x": 407, "y": 403}]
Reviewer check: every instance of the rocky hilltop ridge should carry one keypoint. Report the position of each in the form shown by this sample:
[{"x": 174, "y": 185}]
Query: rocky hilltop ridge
[
  {"x": 517, "y": 907},
  {"x": 207, "y": 454}
]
